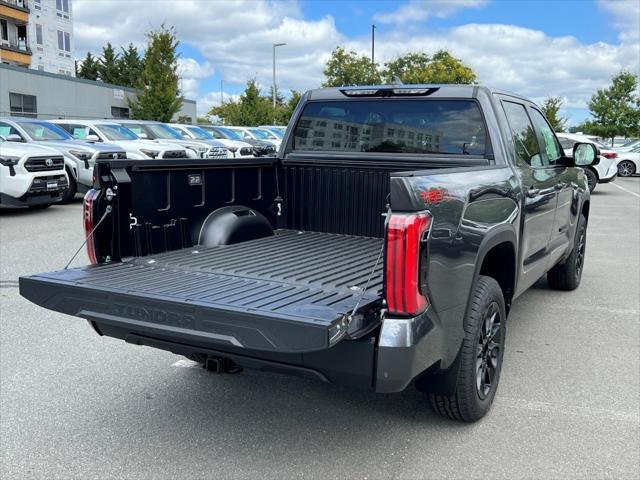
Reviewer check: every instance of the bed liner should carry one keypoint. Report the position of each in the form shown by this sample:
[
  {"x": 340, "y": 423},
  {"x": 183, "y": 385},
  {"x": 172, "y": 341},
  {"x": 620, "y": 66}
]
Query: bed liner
[{"x": 289, "y": 292}]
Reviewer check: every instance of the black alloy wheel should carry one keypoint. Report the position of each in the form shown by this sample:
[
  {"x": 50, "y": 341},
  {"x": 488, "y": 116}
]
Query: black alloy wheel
[{"x": 488, "y": 350}]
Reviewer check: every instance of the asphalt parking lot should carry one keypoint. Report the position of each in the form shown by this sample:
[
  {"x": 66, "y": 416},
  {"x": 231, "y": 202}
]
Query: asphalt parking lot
[{"x": 75, "y": 405}]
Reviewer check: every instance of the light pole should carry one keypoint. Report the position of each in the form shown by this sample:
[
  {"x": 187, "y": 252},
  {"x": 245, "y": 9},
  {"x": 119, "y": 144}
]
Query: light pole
[{"x": 274, "y": 71}]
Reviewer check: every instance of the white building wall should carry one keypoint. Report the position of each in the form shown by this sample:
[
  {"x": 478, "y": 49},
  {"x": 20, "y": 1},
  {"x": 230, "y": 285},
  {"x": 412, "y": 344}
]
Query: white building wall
[{"x": 51, "y": 27}]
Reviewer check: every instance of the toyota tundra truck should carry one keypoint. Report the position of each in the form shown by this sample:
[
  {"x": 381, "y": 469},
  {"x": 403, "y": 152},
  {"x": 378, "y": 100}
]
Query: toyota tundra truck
[{"x": 382, "y": 247}]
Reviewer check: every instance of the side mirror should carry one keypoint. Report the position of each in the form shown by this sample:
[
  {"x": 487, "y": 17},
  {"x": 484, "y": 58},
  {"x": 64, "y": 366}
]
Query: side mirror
[
  {"x": 143, "y": 135},
  {"x": 14, "y": 138},
  {"x": 585, "y": 154},
  {"x": 92, "y": 138}
]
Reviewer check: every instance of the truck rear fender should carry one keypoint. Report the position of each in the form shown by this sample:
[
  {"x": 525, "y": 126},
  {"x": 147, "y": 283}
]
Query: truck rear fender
[{"x": 475, "y": 216}]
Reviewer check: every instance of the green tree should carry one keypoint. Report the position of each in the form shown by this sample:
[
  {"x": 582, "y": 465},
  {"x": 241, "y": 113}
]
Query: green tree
[
  {"x": 130, "y": 66},
  {"x": 108, "y": 67},
  {"x": 89, "y": 68},
  {"x": 418, "y": 67},
  {"x": 160, "y": 97},
  {"x": 616, "y": 109},
  {"x": 251, "y": 109},
  {"x": 551, "y": 109},
  {"x": 349, "y": 68}
]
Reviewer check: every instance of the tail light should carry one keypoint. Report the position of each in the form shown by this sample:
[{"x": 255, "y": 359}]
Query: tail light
[
  {"x": 609, "y": 154},
  {"x": 89, "y": 224},
  {"x": 404, "y": 274}
]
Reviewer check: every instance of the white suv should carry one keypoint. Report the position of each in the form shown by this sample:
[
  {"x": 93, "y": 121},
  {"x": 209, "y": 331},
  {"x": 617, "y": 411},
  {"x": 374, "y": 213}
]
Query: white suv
[
  {"x": 108, "y": 131},
  {"x": 30, "y": 175},
  {"x": 161, "y": 132},
  {"x": 605, "y": 171},
  {"x": 79, "y": 157},
  {"x": 237, "y": 149}
]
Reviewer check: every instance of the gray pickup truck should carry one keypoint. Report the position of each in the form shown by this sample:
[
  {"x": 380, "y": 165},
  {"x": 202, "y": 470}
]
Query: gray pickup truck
[{"x": 382, "y": 247}]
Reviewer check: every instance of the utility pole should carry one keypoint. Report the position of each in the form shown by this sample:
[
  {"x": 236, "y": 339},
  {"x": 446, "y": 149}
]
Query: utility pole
[
  {"x": 274, "y": 72},
  {"x": 373, "y": 44},
  {"x": 221, "y": 92}
]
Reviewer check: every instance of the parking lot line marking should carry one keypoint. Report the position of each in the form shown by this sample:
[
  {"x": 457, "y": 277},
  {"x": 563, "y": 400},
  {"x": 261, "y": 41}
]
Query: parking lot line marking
[
  {"x": 624, "y": 189},
  {"x": 580, "y": 411}
]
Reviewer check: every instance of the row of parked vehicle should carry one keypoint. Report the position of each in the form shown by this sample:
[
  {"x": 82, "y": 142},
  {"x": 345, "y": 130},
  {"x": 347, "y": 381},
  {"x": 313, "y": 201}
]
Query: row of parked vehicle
[
  {"x": 615, "y": 161},
  {"x": 50, "y": 161}
]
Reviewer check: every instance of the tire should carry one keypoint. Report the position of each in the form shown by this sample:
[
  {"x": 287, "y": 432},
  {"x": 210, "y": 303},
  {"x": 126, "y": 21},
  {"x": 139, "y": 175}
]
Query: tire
[
  {"x": 480, "y": 356},
  {"x": 592, "y": 179},
  {"x": 626, "y": 168},
  {"x": 567, "y": 275},
  {"x": 70, "y": 193}
]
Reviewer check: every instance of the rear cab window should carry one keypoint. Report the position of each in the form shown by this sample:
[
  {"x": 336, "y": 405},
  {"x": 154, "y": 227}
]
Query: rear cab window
[{"x": 446, "y": 127}]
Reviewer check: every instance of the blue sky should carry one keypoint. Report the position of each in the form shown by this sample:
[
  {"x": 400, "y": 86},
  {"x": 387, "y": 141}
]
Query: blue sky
[{"x": 536, "y": 48}]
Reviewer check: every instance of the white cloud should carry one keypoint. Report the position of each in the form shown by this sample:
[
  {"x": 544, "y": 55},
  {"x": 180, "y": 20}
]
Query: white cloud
[
  {"x": 235, "y": 40},
  {"x": 522, "y": 60},
  {"x": 419, "y": 10},
  {"x": 626, "y": 15},
  {"x": 213, "y": 99}
]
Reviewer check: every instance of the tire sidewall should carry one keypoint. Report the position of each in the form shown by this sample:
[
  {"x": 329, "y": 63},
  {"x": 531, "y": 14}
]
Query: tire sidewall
[
  {"x": 477, "y": 406},
  {"x": 591, "y": 185}
]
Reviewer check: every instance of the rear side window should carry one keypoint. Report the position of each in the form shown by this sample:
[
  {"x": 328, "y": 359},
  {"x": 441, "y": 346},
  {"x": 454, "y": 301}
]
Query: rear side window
[{"x": 453, "y": 127}]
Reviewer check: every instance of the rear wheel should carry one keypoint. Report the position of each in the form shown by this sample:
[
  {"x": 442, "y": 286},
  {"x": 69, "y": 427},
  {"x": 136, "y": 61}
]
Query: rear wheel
[
  {"x": 70, "y": 193},
  {"x": 567, "y": 275},
  {"x": 480, "y": 357},
  {"x": 626, "y": 168},
  {"x": 592, "y": 179}
]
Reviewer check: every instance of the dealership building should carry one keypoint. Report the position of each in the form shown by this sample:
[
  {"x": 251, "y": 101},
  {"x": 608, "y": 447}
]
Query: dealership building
[{"x": 47, "y": 95}]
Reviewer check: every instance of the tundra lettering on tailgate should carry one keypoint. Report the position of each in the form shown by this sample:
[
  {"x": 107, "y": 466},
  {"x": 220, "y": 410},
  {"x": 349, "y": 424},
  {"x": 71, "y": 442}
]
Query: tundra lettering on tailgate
[{"x": 151, "y": 315}]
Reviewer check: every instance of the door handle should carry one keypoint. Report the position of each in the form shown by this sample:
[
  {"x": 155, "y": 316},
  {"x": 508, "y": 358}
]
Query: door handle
[{"x": 533, "y": 192}]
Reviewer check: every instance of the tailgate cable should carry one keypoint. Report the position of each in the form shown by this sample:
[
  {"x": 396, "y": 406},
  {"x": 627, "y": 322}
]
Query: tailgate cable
[
  {"x": 107, "y": 211},
  {"x": 375, "y": 265}
]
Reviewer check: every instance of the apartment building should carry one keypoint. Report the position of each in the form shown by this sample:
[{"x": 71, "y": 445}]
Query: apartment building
[
  {"x": 318, "y": 132},
  {"x": 37, "y": 34}
]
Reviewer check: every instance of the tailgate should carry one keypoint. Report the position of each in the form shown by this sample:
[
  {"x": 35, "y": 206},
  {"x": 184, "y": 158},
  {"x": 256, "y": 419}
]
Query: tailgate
[{"x": 288, "y": 293}]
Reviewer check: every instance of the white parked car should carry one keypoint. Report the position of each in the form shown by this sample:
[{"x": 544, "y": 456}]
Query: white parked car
[
  {"x": 629, "y": 162},
  {"x": 255, "y": 133},
  {"x": 30, "y": 175},
  {"x": 97, "y": 131},
  {"x": 236, "y": 148},
  {"x": 627, "y": 147},
  {"x": 79, "y": 157},
  {"x": 605, "y": 171},
  {"x": 277, "y": 130},
  {"x": 160, "y": 132}
]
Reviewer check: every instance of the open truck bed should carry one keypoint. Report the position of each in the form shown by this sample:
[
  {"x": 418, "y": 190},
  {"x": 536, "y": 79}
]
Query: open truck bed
[{"x": 290, "y": 292}]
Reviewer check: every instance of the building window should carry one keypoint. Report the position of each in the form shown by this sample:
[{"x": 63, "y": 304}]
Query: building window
[
  {"x": 64, "y": 41},
  {"x": 4, "y": 30},
  {"x": 38, "y": 34},
  {"x": 119, "y": 112},
  {"x": 24, "y": 105}
]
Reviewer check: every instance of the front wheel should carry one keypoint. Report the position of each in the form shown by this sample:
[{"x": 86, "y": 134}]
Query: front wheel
[
  {"x": 626, "y": 168},
  {"x": 480, "y": 356},
  {"x": 70, "y": 193}
]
